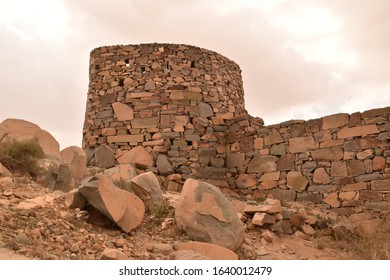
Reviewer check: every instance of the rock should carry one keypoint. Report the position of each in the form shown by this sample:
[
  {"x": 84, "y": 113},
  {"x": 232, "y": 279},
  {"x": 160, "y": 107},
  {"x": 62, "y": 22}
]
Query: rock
[
  {"x": 262, "y": 164},
  {"x": 77, "y": 159},
  {"x": 296, "y": 220},
  {"x": 261, "y": 219},
  {"x": 4, "y": 171},
  {"x": 64, "y": 181},
  {"x": 21, "y": 129},
  {"x": 139, "y": 156},
  {"x": 369, "y": 228},
  {"x": 147, "y": 187},
  {"x": 22, "y": 238},
  {"x": 210, "y": 251},
  {"x": 206, "y": 215},
  {"x": 164, "y": 166},
  {"x": 269, "y": 236},
  {"x": 269, "y": 206},
  {"x": 113, "y": 254},
  {"x": 74, "y": 199},
  {"x": 235, "y": 160},
  {"x": 186, "y": 255},
  {"x": 121, "y": 175},
  {"x": 121, "y": 207},
  {"x": 104, "y": 156},
  {"x": 307, "y": 229},
  {"x": 296, "y": 181},
  {"x": 48, "y": 172},
  {"x": 159, "y": 248}
]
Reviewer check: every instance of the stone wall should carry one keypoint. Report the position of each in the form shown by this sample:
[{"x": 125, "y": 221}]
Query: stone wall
[{"x": 179, "y": 111}]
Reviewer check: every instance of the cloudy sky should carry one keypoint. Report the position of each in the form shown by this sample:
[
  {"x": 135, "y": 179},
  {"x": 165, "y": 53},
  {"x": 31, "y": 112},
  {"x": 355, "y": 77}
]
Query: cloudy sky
[{"x": 300, "y": 59}]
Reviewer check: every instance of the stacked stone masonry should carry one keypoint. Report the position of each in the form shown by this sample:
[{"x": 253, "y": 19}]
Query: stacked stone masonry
[{"x": 184, "y": 106}]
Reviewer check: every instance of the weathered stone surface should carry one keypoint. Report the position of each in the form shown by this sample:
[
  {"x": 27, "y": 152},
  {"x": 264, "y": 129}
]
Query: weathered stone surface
[
  {"x": 273, "y": 137},
  {"x": 362, "y": 143},
  {"x": 235, "y": 160},
  {"x": 296, "y": 181},
  {"x": 74, "y": 199},
  {"x": 380, "y": 185},
  {"x": 21, "y": 129},
  {"x": 369, "y": 228},
  {"x": 378, "y": 163},
  {"x": 286, "y": 163},
  {"x": 77, "y": 159},
  {"x": 205, "y": 110},
  {"x": 301, "y": 144},
  {"x": 123, "y": 112},
  {"x": 260, "y": 219},
  {"x": 271, "y": 176},
  {"x": 321, "y": 176},
  {"x": 355, "y": 167},
  {"x": 284, "y": 195},
  {"x": 65, "y": 181},
  {"x": 332, "y": 200},
  {"x": 338, "y": 169},
  {"x": 121, "y": 176},
  {"x": 147, "y": 187},
  {"x": 113, "y": 254},
  {"x": 122, "y": 207},
  {"x": 336, "y": 120},
  {"x": 104, "y": 156},
  {"x": 270, "y": 206},
  {"x": 310, "y": 197},
  {"x": 208, "y": 216},
  {"x": 330, "y": 154},
  {"x": 262, "y": 164},
  {"x": 354, "y": 187},
  {"x": 125, "y": 138},
  {"x": 164, "y": 166},
  {"x": 138, "y": 155},
  {"x": 145, "y": 123},
  {"x": 358, "y": 131},
  {"x": 211, "y": 251},
  {"x": 246, "y": 181}
]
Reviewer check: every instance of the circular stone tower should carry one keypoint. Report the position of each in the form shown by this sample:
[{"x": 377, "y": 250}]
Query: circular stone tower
[{"x": 178, "y": 102}]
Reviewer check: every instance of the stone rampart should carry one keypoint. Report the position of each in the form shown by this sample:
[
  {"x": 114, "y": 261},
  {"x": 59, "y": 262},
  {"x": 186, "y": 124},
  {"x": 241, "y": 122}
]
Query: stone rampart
[{"x": 179, "y": 111}]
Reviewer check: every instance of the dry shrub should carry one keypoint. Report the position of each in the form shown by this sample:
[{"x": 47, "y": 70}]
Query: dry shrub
[
  {"x": 376, "y": 247},
  {"x": 21, "y": 155}
]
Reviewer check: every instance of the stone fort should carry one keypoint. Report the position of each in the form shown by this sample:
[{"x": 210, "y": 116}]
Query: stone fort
[{"x": 179, "y": 111}]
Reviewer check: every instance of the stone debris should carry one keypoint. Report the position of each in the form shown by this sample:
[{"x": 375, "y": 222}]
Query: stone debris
[
  {"x": 210, "y": 251},
  {"x": 123, "y": 208}
]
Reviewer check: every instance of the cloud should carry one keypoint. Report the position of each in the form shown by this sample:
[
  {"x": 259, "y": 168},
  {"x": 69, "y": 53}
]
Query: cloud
[{"x": 299, "y": 59}]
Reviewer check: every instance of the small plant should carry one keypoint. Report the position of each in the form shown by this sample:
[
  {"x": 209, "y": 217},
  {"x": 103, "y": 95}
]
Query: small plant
[
  {"x": 21, "y": 155},
  {"x": 162, "y": 210}
]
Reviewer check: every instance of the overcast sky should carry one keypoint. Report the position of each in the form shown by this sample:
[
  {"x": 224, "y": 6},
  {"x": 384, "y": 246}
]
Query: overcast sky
[{"x": 300, "y": 59}]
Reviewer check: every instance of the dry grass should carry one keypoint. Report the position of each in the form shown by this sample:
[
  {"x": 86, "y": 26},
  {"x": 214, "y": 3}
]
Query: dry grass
[
  {"x": 21, "y": 156},
  {"x": 376, "y": 247}
]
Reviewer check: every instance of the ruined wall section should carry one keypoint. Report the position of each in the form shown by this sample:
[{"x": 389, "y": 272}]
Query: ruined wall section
[
  {"x": 173, "y": 100},
  {"x": 341, "y": 161}
]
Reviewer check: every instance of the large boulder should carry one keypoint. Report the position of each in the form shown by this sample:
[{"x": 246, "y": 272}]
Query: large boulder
[
  {"x": 207, "y": 216},
  {"x": 77, "y": 159},
  {"x": 21, "y": 129},
  {"x": 123, "y": 208},
  {"x": 139, "y": 156},
  {"x": 147, "y": 187}
]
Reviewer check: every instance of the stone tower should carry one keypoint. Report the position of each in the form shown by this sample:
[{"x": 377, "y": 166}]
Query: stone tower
[{"x": 176, "y": 101}]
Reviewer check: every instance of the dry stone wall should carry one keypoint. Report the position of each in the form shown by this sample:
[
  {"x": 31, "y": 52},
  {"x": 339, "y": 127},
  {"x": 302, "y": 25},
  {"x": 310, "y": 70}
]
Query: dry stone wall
[{"x": 179, "y": 111}]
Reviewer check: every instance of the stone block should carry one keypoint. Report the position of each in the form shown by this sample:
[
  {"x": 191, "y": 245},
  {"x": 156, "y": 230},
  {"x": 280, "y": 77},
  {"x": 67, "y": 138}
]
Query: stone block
[
  {"x": 378, "y": 163},
  {"x": 310, "y": 197},
  {"x": 332, "y": 200},
  {"x": 334, "y": 121},
  {"x": 355, "y": 167},
  {"x": 284, "y": 195},
  {"x": 338, "y": 169},
  {"x": 273, "y": 137},
  {"x": 354, "y": 187},
  {"x": 362, "y": 143},
  {"x": 258, "y": 143},
  {"x": 125, "y": 138},
  {"x": 380, "y": 185},
  {"x": 235, "y": 160},
  {"x": 123, "y": 112},
  {"x": 329, "y": 154},
  {"x": 357, "y": 131},
  {"x": 296, "y": 181},
  {"x": 286, "y": 163},
  {"x": 270, "y": 176},
  {"x": 261, "y": 219},
  {"x": 301, "y": 144},
  {"x": 262, "y": 164},
  {"x": 145, "y": 123},
  {"x": 246, "y": 181},
  {"x": 321, "y": 176}
]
